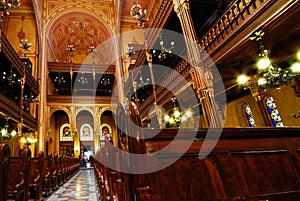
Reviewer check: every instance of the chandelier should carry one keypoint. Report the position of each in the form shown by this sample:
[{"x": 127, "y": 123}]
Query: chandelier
[
  {"x": 28, "y": 141},
  {"x": 70, "y": 49},
  {"x": 175, "y": 117},
  {"x": 82, "y": 80},
  {"x": 163, "y": 50},
  {"x": 10, "y": 77},
  {"x": 6, "y": 132},
  {"x": 137, "y": 12},
  {"x": 130, "y": 52},
  {"x": 59, "y": 79},
  {"x": 105, "y": 80},
  {"x": 269, "y": 76}
]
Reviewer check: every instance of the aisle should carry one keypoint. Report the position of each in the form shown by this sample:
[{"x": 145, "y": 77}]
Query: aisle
[{"x": 80, "y": 187}]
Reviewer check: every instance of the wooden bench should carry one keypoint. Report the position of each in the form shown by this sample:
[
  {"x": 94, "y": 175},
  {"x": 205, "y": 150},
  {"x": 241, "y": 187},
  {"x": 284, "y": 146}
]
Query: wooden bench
[
  {"x": 244, "y": 165},
  {"x": 36, "y": 177},
  {"x": 47, "y": 175},
  {"x": 54, "y": 170},
  {"x": 18, "y": 174},
  {"x": 4, "y": 167}
]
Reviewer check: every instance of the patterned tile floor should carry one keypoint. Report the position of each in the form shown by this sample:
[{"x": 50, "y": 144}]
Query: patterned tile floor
[{"x": 81, "y": 187}]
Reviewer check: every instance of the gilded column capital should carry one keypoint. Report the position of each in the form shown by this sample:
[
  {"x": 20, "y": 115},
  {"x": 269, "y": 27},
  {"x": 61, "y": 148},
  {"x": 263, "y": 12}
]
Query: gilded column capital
[{"x": 181, "y": 3}]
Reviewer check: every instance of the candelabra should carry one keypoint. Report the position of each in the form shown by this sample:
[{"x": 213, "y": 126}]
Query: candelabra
[
  {"x": 269, "y": 75},
  {"x": 4, "y": 6}
]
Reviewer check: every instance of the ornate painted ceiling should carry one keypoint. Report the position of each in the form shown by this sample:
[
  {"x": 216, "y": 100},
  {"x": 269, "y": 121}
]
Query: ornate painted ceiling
[{"x": 83, "y": 24}]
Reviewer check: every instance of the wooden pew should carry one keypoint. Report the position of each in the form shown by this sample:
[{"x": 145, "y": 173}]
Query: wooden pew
[
  {"x": 47, "y": 175},
  {"x": 244, "y": 165},
  {"x": 18, "y": 174},
  {"x": 36, "y": 177},
  {"x": 54, "y": 170},
  {"x": 4, "y": 167},
  {"x": 63, "y": 169}
]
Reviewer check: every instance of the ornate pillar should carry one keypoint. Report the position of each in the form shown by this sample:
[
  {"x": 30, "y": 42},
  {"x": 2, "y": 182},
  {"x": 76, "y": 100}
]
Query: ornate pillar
[
  {"x": 42, "y": 110},
  {"x": 158, "y": 111},
  {"x": 202, "y": 77}
]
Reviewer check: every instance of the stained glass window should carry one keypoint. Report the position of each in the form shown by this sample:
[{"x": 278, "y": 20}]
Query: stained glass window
[
  {"x": 65, "y": 133},
  {"x": 273, "y": 112},
  {"x": 86, "y": 132},
  {"x": 249, "y": 116}
]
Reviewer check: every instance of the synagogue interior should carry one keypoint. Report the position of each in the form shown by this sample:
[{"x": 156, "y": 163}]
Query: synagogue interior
[{"x": 182, "y": 100}]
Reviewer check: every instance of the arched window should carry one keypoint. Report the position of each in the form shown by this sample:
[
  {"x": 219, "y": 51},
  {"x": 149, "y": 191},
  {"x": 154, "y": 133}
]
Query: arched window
[
  {"x": 249, "y": 116},
  {"x": 86, "y": 132},
  {"x": 273, "y": 112},
  {"x": 65, "y": 133}
]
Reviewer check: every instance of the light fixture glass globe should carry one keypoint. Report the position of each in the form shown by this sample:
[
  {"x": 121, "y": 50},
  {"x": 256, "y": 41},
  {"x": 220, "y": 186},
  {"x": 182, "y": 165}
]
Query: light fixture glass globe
[
  {"x": 261, "y": 81},
  {"x": 296, "y": 67},
  {"x": 242, "y": 79},
  {"x": 166, "y": 117},
  {"x": 176, "y": 113},
  {"x": 263, "y": 63},
  {"x": 298, "y": 55},
  {"x": 13, "y": 133}
]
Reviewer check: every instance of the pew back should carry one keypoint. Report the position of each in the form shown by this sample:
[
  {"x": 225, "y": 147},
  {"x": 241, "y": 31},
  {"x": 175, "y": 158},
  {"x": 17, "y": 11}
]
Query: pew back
[
  {"x": 244, "y": 164},
  {"x": 19, "y": 175},
  {"x": 4, "y": 167}
]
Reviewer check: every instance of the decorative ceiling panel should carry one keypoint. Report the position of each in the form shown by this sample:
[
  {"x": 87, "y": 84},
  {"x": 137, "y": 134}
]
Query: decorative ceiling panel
[{"x": 79, "y": 30}]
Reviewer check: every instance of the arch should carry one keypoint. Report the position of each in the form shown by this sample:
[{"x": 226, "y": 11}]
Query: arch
[
  {"x": 79, "y": 25},
  {"x": 65, "y": 132},
  {"x": 106, "y": 125},
  {"x": 65, "y": 109},
  {"x": 89, "y": 10},
  {"x": 86, "y": 132},
  {"x": 84, "y": 108}
]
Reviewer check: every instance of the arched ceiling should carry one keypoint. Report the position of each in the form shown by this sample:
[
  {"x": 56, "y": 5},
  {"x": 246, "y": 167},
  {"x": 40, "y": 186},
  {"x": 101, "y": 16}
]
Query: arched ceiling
[{"x": 78, "y": 29}]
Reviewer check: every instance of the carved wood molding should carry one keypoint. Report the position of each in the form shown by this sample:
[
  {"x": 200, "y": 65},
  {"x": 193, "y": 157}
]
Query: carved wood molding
[
  {"x": 87, "y": 68},
  {"x": 11, "y": 109},
  {"x": 14, "y": 58}
]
